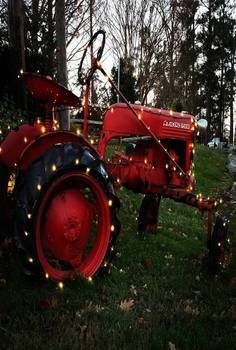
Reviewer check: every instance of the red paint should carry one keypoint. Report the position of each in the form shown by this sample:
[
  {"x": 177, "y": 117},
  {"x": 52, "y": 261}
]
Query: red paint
[
  {"x": 48, "y": 92},
  {"x": 149, "y": 169},
  {"x": 16, "y": 141}
]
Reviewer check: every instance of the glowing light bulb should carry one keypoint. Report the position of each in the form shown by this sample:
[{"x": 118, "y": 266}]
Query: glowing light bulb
[
  {"x": 46, "y": 275},
  {"x": 43, "y": 129},
  {"x": 61, "y": 285},
  {"x": 87, "y": 170},
  {"x": 77, "y": 161},
  {"x": 31, "y": 260},
  {"x": 26, "y": 233},
  {"x": 54, "y": 168},
  {"x": 219, "y": 244},
  {"x": 25, "y": 140},
  {"x": 78, "y": 131},
  {"x": 90, "y": 279},
  {"x": 139, "y": 116},
  {"x": 39, "y": 187},
  {"x": 110, "y": 202},
  {"x": 112, "y": 228},
  {"x": 29, "y": 216}
]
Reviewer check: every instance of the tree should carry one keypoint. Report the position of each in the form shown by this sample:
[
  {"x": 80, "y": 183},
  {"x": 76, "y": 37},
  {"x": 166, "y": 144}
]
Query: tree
[
  {"x": 61, "y": 58},
  {"x": 127, "y": 81},
  {"x": 187, "y": 57},
  {"x": 216, "y": 39}
]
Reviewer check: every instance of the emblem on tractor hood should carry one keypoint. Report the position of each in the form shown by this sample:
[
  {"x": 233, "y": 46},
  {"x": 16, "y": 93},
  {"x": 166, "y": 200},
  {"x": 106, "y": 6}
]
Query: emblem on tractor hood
[{"x": 170, "y": 124}]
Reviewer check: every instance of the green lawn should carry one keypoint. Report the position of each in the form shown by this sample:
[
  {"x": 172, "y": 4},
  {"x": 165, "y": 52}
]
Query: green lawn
[{"x": 172, "y": 301}]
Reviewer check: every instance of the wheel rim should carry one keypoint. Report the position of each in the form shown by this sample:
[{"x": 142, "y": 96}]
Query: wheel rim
[{"x": 73, "y": 226}]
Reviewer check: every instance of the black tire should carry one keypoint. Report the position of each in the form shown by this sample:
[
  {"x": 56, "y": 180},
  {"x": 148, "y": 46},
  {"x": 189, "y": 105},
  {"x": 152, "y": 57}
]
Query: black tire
[
  {"x": 218, "y": 244},
  {"x": 28, "y": 197},
  {"x": 5, "y": 210}
]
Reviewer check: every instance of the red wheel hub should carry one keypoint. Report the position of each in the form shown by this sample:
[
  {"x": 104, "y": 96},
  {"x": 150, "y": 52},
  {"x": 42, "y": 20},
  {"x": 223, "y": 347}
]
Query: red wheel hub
[
  {"x": 73, "y": 226},
  {"x": 67, "y": 227}
]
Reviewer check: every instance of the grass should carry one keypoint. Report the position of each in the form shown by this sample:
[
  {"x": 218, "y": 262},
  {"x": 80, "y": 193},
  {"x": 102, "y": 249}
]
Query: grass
[{"x": 177, "y": 304}]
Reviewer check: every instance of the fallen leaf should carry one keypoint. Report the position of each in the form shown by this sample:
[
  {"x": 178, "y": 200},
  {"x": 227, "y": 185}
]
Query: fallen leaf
[
  {"x": 188, "y": 309},
  {"x": 126, "y": 304},
  {"x": 140, "y": 320},
  {"x": 171, "y": 346},
  {"x": 3, "y": 282},
  {"x": 168, "y": 256},
  {"x": 82, "y": 331},
  {"x": 147, "y": 263},
  {"x": 233, "y": 312},
  {"x": 133, "y": 290},
  {"x": 148, "y": 310},
  {"x": 7, "y": 242},
  {"x": 48, "y": 303},
  {"x": 233, "y": 282}
]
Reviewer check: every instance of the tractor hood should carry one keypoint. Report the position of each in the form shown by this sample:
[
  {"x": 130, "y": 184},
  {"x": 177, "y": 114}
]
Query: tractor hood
[{"x": 119, "y": 120}]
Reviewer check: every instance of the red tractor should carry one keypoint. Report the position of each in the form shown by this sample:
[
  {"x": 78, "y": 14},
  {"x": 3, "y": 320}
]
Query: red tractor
[{"x": 63, "y": 208}]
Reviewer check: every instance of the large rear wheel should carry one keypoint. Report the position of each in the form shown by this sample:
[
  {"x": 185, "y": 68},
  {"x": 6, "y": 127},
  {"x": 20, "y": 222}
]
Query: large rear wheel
[{"x": 66, "y": 213}]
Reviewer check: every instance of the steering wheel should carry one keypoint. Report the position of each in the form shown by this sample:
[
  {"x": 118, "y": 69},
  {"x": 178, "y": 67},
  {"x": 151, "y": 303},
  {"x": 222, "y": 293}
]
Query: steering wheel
[{"x": 85, "y": 78}]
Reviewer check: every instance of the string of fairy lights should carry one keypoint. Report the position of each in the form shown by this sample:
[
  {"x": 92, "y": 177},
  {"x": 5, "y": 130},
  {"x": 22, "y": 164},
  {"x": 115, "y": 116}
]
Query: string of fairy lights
[{"x": 174, "y": 166}]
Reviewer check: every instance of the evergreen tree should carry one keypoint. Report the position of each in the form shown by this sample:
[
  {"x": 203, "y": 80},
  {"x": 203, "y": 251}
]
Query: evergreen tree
[
  {"x": 127, "y": 81},
  {"x": 216, "y": 40}
]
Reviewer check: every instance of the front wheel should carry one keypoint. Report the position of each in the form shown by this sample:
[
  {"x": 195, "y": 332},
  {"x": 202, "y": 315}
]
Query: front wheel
[{"x": 66, "y": 214}]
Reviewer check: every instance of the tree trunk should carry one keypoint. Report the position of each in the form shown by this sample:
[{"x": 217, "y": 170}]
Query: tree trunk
[
  {"x": 17, "y": 50},
  {"x": 35, "y": 26},
  {"x": 61, "y": 58},
  {"x": 231, "y": 133},
  {"x": 91, "y": 34},
  {"x": 16, "y": 30}
]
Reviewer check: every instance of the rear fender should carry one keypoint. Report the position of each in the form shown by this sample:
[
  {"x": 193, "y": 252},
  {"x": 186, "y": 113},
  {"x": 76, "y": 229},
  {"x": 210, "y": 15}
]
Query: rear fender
[
  {"x": 16, "y": 141},
  {"x": 42, "y": 143}
]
